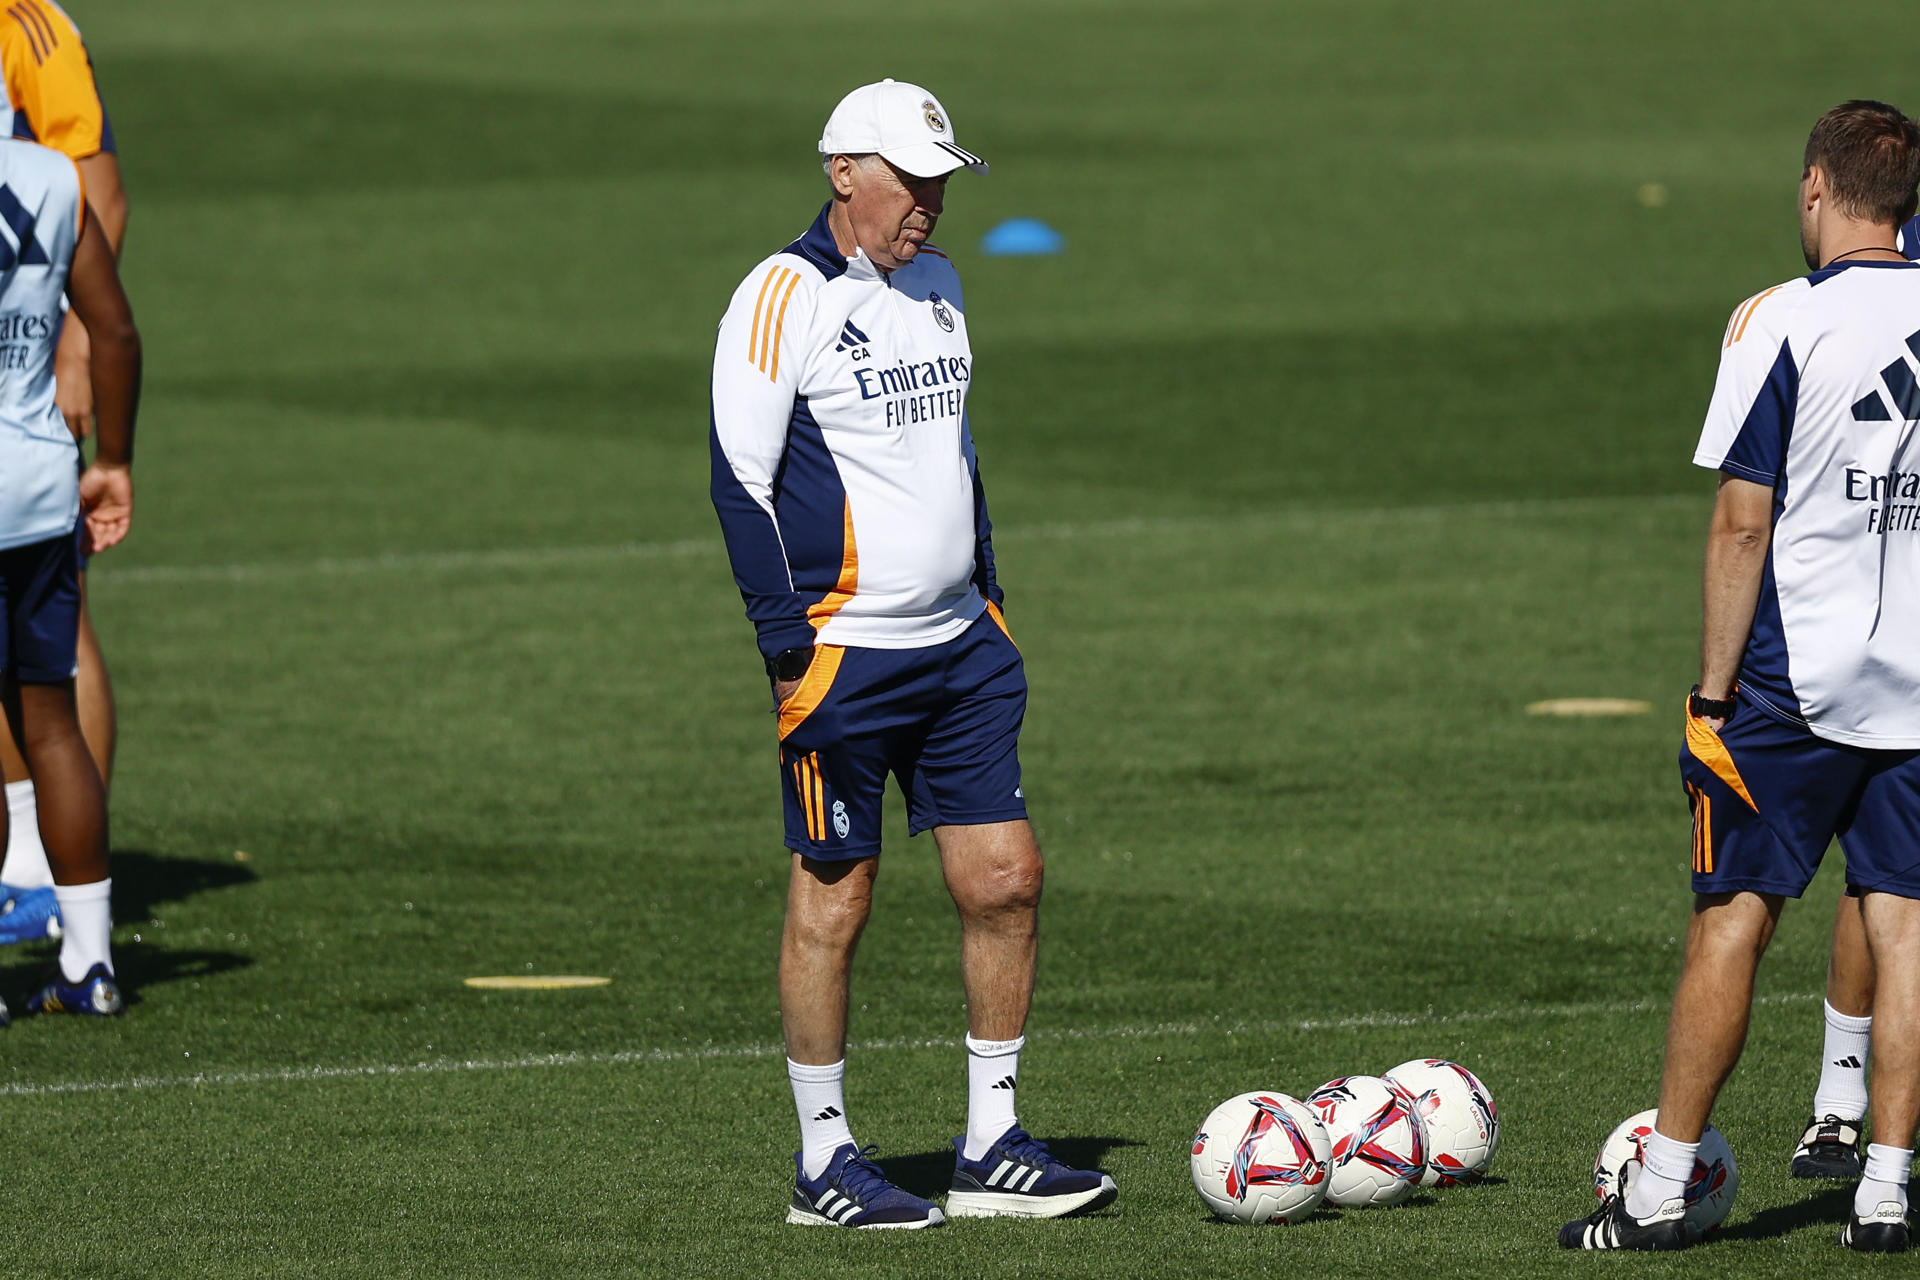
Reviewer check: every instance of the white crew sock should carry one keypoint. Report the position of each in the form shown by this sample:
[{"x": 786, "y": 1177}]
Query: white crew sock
[
  {"x": 818, "y": 1098},
  {"x": 993, "y": 1077},
  {"x": 1663, "y": 1175},
  {"x": 26, "y": 863},
  {"x": 86, "y": 911},
  {"x": 1843, "y": 1067},
  {"x": 1884, "y": 1178}
]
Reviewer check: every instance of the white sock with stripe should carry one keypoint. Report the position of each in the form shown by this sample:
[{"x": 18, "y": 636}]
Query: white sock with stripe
[
  {"x": 1884, "y": 1178},
  {"x": 86, "y": 915},
  {"x": 1843, "y": 1068},
  {"x": 818, "y": 1097},
  {"x": 993, "y": 1077},
  {"x": 26, "y": 863},
  {"x": 1663, "y": 1175}
]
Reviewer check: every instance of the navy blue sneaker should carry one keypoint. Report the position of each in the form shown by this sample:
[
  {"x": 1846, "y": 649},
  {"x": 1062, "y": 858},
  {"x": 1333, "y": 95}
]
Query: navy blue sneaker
[
  {"x": 28, "y": 915},
  {"x": 852, "y": 1191},
  {"x": 96, "y": 994},
  {"x": 1019, "y": 1178}
]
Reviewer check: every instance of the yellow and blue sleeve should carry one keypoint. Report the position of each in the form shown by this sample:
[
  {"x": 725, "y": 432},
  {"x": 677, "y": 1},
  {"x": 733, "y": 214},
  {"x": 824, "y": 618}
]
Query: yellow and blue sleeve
[{"x": 50, "y": 80}]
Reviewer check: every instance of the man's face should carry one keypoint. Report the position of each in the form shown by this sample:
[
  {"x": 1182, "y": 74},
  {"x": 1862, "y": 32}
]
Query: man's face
[{"x": 890, "y": 211}]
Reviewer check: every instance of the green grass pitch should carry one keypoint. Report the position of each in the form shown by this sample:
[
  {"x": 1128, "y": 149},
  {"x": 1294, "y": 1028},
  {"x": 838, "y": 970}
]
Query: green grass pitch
[{"x": 1355, "y": 419}]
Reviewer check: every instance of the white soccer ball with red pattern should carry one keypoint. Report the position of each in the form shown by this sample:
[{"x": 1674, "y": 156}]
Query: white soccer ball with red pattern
[
  {"x": 1261, "y": 1157},
  {"x": 1461, "y": 1120},
  {"x": 1710, "y": 1190},
  {"x": 1379, "y": 1149}
]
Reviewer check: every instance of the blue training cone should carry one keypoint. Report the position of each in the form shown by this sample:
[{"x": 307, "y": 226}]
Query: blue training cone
[{"x": 1022, "y": 236}]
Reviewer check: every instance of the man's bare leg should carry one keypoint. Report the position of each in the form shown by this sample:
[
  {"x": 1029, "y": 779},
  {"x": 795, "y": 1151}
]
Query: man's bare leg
[
  {"x": 94, "y": 688},
  {"x": 994, "y": 873},
  {"x": 1830, "y": 1147},
  {"x": 25, "y": 865},
  {"x": 1892, "y": 926},
  {"x": 827, "y": 908},
  {"x": 1706, "y": 1031},
  {"x": 72, "y": 807}
]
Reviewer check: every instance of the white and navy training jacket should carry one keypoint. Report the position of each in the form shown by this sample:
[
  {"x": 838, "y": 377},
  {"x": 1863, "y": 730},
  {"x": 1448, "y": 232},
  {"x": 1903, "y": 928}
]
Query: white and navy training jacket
[
  {"x": 1818, "y": 398},
  {"x": 843, "y": 469}
]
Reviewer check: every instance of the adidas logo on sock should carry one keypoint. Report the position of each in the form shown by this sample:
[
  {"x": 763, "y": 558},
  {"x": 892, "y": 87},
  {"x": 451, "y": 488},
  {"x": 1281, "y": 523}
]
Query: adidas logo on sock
[
  {"x": 1006, "y": 1082},
  {"x": 831, "y": 1113},
  {"x": 1850, "y": 1062}
]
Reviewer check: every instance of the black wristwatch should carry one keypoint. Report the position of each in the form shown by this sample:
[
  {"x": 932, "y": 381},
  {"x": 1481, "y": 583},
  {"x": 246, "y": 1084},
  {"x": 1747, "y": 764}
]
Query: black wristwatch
[
  {"x": 1711, "y": 708},
  {"x": 790, "y": 664}
]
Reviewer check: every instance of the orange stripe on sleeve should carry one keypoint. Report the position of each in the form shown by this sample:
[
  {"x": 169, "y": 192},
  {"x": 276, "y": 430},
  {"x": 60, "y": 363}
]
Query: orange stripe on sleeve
[
  {"x": 780, "y": 324},
  {"x": 753, "y": 338},
  {"x": 1750, "y": 310}
]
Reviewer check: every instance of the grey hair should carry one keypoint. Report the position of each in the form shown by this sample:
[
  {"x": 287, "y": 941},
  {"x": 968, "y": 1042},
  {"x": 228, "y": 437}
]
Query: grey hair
[{"x": 862, "y": 158}]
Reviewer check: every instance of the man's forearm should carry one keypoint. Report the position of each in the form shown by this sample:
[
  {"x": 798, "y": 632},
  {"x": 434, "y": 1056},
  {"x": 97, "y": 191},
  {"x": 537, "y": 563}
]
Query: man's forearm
[
  {"x": 116, "y": 395},
  {"x": 1736, "y": 560}
]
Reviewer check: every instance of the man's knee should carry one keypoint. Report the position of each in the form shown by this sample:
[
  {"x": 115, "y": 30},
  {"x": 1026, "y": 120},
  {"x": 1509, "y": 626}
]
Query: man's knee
[
  {"x": 1732, "y": 924},
  {"x": 1009, "y": 881},
  {"x": 828, "y": 903}
]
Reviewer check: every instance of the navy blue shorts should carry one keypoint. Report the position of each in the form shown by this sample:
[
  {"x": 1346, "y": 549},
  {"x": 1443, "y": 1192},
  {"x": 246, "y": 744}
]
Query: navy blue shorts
[
  {"x": 40, "y": 596},
  {"x": 943, "y": 720},
  {"x": 1768, "y": 797}
]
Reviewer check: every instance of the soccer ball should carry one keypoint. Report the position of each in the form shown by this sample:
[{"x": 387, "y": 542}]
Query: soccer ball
[
  {"x": 1379, "y": 1149},
  {"x": 1261, "y": 1157},
  {"x": 1462, "y": 1123},
  {"x": 1709, "y": 1191}
]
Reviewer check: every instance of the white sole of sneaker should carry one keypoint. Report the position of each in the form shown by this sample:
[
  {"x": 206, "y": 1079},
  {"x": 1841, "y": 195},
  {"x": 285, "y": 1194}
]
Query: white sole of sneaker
[
  {"x": 1006, "y": 1204},
  {"x": 801, "y": 1218}
]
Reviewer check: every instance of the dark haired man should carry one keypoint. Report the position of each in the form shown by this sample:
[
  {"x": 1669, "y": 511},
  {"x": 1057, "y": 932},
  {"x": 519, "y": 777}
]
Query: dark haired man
[
  {"x": 1804, "y": 725},
  {"x": 1830, "y": 1145}
]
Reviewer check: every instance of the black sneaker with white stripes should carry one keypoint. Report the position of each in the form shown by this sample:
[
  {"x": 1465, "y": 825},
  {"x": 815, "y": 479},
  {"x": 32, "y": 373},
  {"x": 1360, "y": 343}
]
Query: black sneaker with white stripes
[
  {"x": 1882, "y": 1231},
  {"x": 1830, "y": 1148},
  {"x": 1018, "y": 1177},
  {"x": 1612, "y": 1227},
  {"x": 853, "y": 1191}
]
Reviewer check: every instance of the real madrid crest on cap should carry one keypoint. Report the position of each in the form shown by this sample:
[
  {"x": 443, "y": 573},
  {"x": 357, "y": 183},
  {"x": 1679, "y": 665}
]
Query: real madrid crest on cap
[
  {"x": 932, "y": 112},
  {"x": 941, "y": 316}
]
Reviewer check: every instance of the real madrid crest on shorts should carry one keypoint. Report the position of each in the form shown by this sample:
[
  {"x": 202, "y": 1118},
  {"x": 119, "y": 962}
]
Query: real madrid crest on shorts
[
  {"x": 841, "y": 823},
  {"x": 941, "y": 315}
]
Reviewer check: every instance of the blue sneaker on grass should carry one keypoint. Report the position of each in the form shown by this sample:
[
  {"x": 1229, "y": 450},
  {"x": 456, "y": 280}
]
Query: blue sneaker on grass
[
  {"x": 28, "y": 915},
  {"x": 1018, "y": 1177},
  {"x": 96, "y": 994},
  {"x": 852, "y": 1191}
]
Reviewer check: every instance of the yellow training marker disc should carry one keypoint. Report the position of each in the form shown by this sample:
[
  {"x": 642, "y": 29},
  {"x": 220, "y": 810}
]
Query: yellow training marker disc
[
  {"x": 537, "y": 982},
  {"x": 1589, "y": 707}
]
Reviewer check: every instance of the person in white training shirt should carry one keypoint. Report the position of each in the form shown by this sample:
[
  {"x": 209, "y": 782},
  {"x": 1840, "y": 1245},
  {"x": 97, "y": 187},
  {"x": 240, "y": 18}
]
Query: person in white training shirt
[
  {"x": 1830, "y": 1144},
  {"x": 849, "y": 495},
  {"x": 1806, "y": 722},
  {"x": 52, "y": 243}
]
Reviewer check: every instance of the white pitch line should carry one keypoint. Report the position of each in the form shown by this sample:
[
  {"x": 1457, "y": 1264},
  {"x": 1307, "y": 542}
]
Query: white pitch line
[
  {"x": 540, "y": 557},
  {"x": 707, "y": 1053}
]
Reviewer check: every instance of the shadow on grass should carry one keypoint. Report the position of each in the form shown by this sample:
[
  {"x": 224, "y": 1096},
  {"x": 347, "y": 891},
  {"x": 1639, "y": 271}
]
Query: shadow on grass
[
  {"x": 136, "y": 965},
  {"x": 1828, "y": 1208},
  {"x": 143, "y": 880},
  {"x": 930, "y": 1173}
]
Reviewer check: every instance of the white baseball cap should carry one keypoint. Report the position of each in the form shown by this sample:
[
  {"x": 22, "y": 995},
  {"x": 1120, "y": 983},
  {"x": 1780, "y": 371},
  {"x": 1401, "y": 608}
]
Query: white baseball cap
[{"x": 904, "y": 123}]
